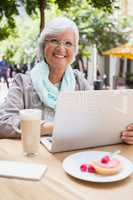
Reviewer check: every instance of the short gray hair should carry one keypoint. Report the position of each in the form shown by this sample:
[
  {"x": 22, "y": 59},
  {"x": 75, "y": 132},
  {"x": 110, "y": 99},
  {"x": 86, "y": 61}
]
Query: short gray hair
[{"x": 58, "y": 25}]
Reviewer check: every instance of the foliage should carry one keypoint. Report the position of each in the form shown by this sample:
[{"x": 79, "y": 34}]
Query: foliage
[
  {"x": 20, "y": 47},
  {"x": 105, "y": 5},
  {"x": 31, "y": 6},
  {"x": 9, "y": 9},
  {"x": 96, "y": 27}
]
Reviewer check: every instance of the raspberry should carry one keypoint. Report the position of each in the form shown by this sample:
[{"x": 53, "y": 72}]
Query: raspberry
[
  {"x": 105, "y": 159},
  {"x": 91, "y": 168},
  {"x": 83, "y": 167}
]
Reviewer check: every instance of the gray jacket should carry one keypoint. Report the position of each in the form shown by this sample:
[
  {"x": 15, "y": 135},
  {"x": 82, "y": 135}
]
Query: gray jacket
[{"x": 23, "y": 96}]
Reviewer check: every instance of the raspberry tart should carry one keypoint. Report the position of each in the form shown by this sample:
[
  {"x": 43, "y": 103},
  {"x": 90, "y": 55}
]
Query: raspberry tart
[{"x": 107, "y": 165}]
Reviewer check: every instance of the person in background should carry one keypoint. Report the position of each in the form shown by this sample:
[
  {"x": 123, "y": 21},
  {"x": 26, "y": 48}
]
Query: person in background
[
  {"x": 57, "y": 48},
  {"x": 98, "y": 83},
  {"x": 4, "y": 69}
]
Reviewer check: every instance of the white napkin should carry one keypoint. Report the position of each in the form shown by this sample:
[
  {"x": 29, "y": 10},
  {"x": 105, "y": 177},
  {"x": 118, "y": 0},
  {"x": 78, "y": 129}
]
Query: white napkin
[{"x": 22, "y": 170}]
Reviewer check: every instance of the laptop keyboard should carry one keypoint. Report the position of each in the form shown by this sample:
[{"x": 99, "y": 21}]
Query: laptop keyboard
[{"x": 49, "y": 139}]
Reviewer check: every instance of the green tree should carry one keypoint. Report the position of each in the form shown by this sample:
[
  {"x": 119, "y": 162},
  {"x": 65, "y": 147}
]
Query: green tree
[
  {"x": 20, "y": 47},
  {"x": 8, "y": 9},
  {"x": 96, "y": 28},
  {"x": 106, "y": 5}
]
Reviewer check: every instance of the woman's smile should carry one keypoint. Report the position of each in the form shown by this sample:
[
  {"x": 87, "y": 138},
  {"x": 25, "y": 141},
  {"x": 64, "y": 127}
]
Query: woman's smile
[{"x": 59, "y": 55}]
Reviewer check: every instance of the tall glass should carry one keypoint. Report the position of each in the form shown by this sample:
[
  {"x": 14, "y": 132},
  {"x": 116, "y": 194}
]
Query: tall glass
[{"x": 30, "y": 120}]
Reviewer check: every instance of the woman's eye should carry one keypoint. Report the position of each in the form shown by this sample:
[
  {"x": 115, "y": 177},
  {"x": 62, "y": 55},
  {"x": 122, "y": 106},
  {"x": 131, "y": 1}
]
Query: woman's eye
[
  {"x": 54, "y": 41},
  {"x": 68, "y": 44}
]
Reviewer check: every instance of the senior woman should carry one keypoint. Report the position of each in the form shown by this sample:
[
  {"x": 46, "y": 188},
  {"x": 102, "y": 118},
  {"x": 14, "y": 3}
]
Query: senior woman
[{"x": 58, "y": 46}]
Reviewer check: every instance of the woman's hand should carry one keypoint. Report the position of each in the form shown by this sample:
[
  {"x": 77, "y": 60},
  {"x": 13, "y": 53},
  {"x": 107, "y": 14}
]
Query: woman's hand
[
  {"x": 47, "y": 128},
  {"x": 127, "y": 135}
]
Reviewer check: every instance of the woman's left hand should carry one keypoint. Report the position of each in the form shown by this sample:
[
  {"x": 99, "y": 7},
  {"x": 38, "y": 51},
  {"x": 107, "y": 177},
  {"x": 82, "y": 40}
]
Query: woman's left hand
[{"x": 127, "y": 135}]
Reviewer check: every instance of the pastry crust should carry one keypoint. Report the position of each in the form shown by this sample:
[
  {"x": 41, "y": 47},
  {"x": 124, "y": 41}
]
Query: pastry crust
[{"x": 106, "y": 171}]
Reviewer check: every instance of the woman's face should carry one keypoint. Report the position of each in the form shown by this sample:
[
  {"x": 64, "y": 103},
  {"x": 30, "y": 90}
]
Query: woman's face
[{"x": 59, "y": 49}]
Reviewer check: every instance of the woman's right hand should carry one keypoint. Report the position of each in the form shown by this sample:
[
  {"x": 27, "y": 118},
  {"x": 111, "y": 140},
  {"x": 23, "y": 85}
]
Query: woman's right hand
[
  {"x": 127, "y": 134},
  {"x": 47, "y": 128}
]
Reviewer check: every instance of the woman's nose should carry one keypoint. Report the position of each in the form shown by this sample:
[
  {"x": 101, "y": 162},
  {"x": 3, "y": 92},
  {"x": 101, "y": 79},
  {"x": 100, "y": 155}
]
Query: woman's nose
[{"x": 61, "y": 48}]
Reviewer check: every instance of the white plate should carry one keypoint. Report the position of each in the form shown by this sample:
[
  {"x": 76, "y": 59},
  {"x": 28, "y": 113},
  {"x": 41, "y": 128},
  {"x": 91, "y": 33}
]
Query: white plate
[{"x": 72, "y": 163}]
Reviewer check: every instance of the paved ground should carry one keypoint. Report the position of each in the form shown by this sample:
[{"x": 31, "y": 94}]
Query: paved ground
[{"x": 3, "y": 91}]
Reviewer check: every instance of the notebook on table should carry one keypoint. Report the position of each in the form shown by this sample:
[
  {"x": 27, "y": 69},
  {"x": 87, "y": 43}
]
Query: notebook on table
[
  {"x": 15, "y": 169},
  {"x": 89, "y": 119}
]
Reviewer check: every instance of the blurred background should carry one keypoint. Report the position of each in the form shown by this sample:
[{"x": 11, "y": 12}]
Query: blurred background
[{"x": 106, "y": 39}]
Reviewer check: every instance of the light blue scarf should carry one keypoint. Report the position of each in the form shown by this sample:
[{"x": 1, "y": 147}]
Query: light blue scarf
[{"x": 47, "y": 91}]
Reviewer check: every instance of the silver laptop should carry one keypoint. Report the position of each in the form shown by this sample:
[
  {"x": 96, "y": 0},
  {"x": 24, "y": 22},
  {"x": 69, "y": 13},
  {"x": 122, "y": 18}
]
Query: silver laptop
[{"x": 89, "y": 119}]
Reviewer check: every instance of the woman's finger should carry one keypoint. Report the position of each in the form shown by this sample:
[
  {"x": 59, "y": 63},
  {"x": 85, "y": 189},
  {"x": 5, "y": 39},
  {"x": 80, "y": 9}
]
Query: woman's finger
[
  {"x": 127, "y": 133},
  {"x": 128, "y": 141},
  {"x": 127, "y": 138},
  {"x": 130, "y": 127}
]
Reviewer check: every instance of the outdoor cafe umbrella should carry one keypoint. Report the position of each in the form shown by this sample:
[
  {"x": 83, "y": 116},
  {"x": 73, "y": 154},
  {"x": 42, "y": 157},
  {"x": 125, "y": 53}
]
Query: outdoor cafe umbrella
[{"x": 125, "y": 51}]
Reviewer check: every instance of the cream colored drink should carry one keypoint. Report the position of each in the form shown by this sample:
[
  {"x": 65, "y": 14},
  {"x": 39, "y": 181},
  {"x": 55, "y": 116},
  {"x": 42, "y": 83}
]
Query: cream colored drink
[{"x": 30, "y": 128}]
